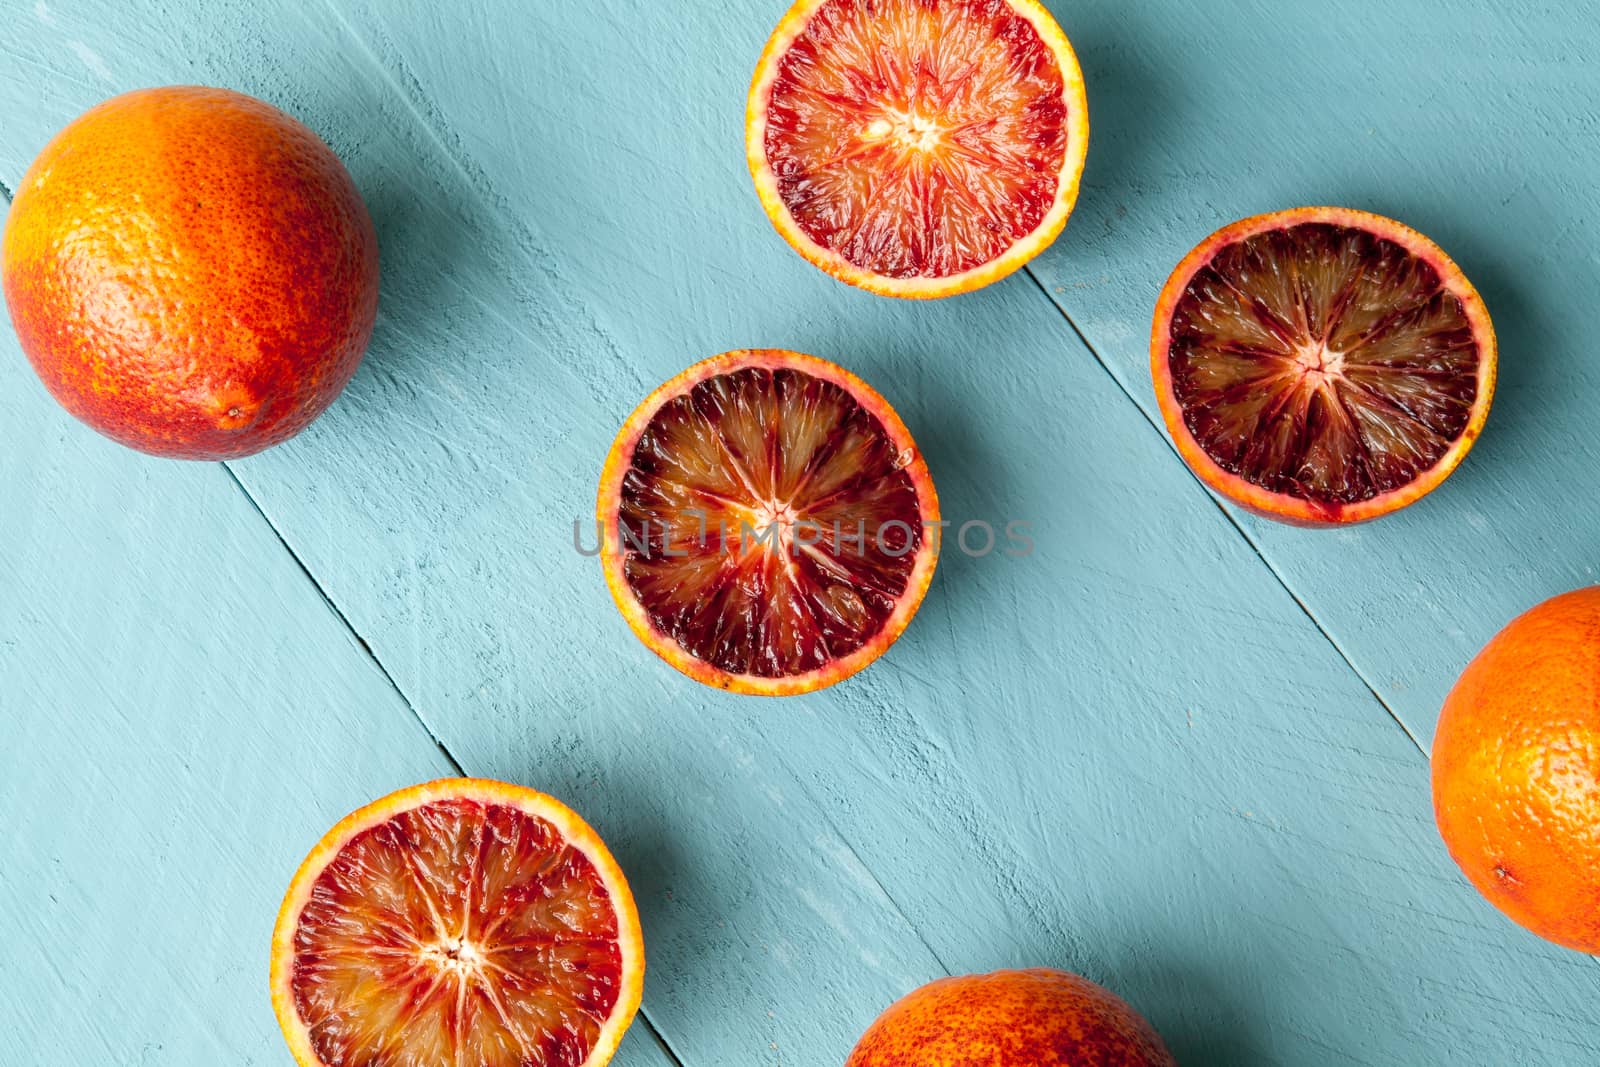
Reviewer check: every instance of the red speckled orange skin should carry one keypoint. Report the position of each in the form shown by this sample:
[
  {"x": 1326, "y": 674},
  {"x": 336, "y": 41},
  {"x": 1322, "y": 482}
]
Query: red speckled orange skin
[
  {"x": 1516, "y": 770},
  {"x": 1035, "y": 1018},
  {"x": 191, "y": 272}
]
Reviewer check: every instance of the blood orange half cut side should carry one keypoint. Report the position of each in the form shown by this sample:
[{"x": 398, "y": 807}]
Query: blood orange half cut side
[
  {"x": 459, "y": 922},
  {"x": 767, "y": 523},
  {"x": 1322, "y": 366},
  {"x": 918, "y": 148}
]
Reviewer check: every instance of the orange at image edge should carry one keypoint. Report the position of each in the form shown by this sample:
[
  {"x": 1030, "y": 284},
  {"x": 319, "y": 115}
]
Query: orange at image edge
[
  {"x": 1030, "y": 1018},
  {"x": 528, "y": 829},
  {"x": 886, "y": 142},
  {"x": 1516, "y": 776},
  {"x": 190, "y": 326}
]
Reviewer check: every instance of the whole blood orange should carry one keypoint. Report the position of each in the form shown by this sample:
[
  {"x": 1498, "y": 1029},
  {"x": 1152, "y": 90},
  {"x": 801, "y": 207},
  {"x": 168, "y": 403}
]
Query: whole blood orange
[
  {"x": 918, "y": 148},
  {"x": 459, "y": 922},
  {"x": 1322, "y": 366},
  {"x": 191, "y": 272},
  {"x": 1516, "y": 770},
  {"x": 1035, "y": 1018},
  {"x": 767, "y": 523}
]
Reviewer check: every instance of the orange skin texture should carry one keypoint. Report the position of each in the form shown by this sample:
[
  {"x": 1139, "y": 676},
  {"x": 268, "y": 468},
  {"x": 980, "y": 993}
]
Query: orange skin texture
[
  {"x": 1033, "y": 1018},
  {"x": 1516, "y": 770},
  {"x": 191, "y": 272}
]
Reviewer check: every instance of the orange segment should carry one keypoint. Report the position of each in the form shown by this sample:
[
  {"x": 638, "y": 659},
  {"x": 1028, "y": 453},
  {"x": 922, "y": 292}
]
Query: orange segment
[
  {"x": 918, "y": 147},
  {"x": 768, "y": 525},
  {"x": 1322, "y": 366},
  {"x": 462, "y": 921}
]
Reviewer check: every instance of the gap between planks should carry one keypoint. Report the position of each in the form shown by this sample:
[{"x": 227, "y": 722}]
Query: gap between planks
[
  {"x": 1277, "y": 575},
  {"x": 643, "y": 1017},
  {"x": 422, "y": 120},
  {"x": 1232, "y": 520},
  {"x": 5, "y": 192}
]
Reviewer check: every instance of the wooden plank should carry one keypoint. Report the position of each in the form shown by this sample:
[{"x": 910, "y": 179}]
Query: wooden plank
[
  {"x": 1472, "y": 121},
  {"x": 184, "y": 715},
  {"x": 1130, "y": 754}
]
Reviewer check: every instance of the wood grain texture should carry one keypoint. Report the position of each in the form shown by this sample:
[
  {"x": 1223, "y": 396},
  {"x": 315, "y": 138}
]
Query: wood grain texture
[
  {"x": 1131, "y": 754},
  {"x": 183, "y": 716},
  {"x": 1472, "y": 121}
]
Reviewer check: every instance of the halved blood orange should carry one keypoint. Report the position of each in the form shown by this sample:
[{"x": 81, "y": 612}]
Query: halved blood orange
[
  {"x": 459, "y": 922},
  {"x": 918, "y": 148},
  {"x": 1322, "y": 366},
  {"x": 767, "y": 523}
]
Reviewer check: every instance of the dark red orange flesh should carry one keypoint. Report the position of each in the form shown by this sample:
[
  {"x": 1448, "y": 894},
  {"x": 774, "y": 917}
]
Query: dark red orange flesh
[
  {"x": 453, "y": 933},
  {"x": 1323, "y": 362},
  {"x": 769, "y": 523}
]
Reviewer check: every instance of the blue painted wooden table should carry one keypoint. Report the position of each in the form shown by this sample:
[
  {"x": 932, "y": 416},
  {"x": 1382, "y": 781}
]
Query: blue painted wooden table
[{"x": 1179, "y": 750}]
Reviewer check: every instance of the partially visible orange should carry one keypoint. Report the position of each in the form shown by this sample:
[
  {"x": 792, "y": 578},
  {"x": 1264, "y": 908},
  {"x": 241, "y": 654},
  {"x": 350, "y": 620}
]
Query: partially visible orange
[
  {"x": 1322, "y": 366},
  {"x": 1033, "y": 1018},
  {"x": 1516, "y": 770},
  {"x": 191, "y": 272},
  {"x": 917, "y": 148},
  {"x": 459, "y": 922}
]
